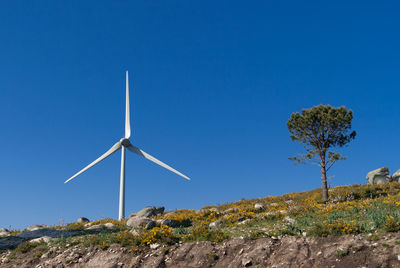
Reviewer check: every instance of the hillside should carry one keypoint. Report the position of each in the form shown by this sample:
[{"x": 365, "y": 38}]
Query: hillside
[{"x": 357, "y": 228}]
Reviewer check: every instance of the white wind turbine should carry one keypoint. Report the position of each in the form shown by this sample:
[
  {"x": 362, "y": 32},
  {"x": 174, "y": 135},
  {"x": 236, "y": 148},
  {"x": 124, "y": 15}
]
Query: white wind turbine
[{"x": 122, "y": 144}]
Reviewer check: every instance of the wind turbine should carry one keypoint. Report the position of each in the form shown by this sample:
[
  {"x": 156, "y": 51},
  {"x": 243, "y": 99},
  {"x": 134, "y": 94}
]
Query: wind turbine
[{"x": 123, "y": 144}]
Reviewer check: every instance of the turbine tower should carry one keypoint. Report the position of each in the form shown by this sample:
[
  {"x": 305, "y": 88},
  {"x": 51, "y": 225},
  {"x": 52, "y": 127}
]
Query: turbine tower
[{"x": 123, "y": 144}]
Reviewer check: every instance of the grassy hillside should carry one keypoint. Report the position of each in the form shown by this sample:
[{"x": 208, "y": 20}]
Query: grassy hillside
[{"x": 370, "y": 209}]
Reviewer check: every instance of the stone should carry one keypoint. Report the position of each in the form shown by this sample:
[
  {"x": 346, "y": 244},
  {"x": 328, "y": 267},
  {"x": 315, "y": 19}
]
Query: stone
[
  {"x": 150, "y": 211},
  {"x": 10, "y": 242},
  {"x": 215, "y": 224},
  {"x": 244, "y": 222},
  {"x": 109, "y": 225},
  {"x": 154, "y": 246},
  {"x": 4, "y": 232},
  {"x": 83, "y": 220},
  {"x": 44, "y": 232},
  {"x": 45, "y": 239},
  {"x": 37, "y": 227},
  {"x": 231, "y": 210},
  {"x": 169, "y": 223},
  {"x": 290, "y": 220},
  {"x": 138, "y": 221},
  {"x": 259, "y": 206},
  {"x": 379, "y": 176},
  {"x": 396, "y": 176},
  {"x": 94, "y": 227},
  {"x": 247, "y": 262}
]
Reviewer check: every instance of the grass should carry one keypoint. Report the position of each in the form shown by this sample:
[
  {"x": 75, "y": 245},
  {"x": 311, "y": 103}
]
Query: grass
[{"x": 356, "y": 209}]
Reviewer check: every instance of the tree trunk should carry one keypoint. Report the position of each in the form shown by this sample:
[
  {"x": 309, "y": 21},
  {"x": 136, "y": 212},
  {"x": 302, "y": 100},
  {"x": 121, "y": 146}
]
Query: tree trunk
[{"x": 324, "y": 179}]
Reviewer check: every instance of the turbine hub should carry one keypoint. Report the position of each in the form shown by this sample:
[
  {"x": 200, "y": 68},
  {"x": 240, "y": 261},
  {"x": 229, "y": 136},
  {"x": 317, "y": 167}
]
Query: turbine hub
[{"x": 125, "y": 142}]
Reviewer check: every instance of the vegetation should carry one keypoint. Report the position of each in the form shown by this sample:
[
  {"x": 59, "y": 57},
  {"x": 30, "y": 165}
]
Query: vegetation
[
  {"x": 372, "y": 210},
  {"x": 319, "y": 129}
]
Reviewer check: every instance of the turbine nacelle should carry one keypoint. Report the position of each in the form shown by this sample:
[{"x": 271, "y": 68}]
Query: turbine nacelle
[{"x": 125, "y": 142}]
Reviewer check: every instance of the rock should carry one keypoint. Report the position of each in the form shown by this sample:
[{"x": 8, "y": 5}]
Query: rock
[
  {"x": 109, "y": 225},
  {"x": 37, "y": 227},
  {"x": 396, "y": 176},
  {"x": 150, "y": 211},
  {"x": 244, "y": 222},
  {"x": 83, "y": 220},
  {"x": 247, "y": 262},
  {"x": 4, "y": 232},
  {"x": 44, "y": 232},
  {"x": 170, "y": 223},
  {"x": 94, "y": 227},
  {"x": 231, "y": 210},
  {"x": 379, "y": 176},
  {"x": 138, "y": 221},
  {"x": 10, "y": 242},
  {"x": 45, "y": 239},
  {"x": 289, "y": 202},
  {"x": 215, "y": 224},
  {"x": 259, "y": 206},
  {"x": 154, "y": 246},
  {"x": 290, "y": 220}
]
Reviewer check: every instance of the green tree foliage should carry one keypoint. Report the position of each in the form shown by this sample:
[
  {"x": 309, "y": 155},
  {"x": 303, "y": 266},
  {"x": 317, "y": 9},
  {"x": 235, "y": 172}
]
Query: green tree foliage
[{"x": 319, "y": 129}]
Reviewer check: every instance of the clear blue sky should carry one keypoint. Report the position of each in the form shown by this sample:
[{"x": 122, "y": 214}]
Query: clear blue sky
[{"x": 214, "y": 83}]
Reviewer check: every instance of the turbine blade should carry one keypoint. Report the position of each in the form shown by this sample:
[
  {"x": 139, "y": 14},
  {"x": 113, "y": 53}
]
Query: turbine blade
[
  {"x": 136, "y": 150},
  {"x": 112, "y": 150},
  {"x": 127, "y": 113}
]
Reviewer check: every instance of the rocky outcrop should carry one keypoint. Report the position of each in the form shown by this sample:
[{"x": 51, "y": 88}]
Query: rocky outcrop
[
  {"x": 150, "y": 211},
  {"x": 379, "y": 176},
  {"x": 83, "y": 220},
  {"x": 396, "y": 176},
  {"x": 137, "y": 222}
]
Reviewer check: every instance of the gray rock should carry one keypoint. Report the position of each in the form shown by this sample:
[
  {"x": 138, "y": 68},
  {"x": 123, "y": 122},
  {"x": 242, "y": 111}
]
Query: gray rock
[
  {"x": 109, "y": 225},
  {"x": 215, "y": 224},
  {"x": 170, "y": 223},
  {"x": 94, "y": 227},
  {"x": 244, "y": 221},
  {"x": 44, "y": 232},
  {"x": 231, "y": 210},
  {"x": 45, "y": 239},
  {"x": 379, "y": 176},
  {"x": 83, "y": 220},
  {"x": 259, "y": 206},
  {"x": 290, "y": 220},
  {"x": 10, "y": 242},
  {"x": 150, "y": 211},
  {"x": 3, "y": 230},
  {"x": 36, "y": 227},
  {"x": 138, "y": 221},
  {"x": 396, "y": 176}
]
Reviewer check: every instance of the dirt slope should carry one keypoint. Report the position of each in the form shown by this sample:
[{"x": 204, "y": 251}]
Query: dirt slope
[{"x": 340, "y": 251}]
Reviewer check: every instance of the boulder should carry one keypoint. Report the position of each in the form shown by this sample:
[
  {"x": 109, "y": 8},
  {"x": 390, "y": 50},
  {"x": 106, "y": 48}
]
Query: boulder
[
  {"x": 10, "y": 242},
  {"x": 83, "y": 220},
  {"x": 4, "y": 232},
  {"x": 44, "y": 232},
  {"x": 138, "y": 221},
  {"x": 45, "y": 239},
  {"x": 396, "y": 176},
  {"x": 379, "y": 176},
  {"x": 259, "y": 206},
  {"x": 170, "y": 223},
  {"x": 95, "y": 227},
  {"x": 150, "y": 211},
  {"x": 215, "y": 224},
  {"x": 109, "y": 225},
  {"x": 231, "y": 210},
  {"x": 37, "y": 227}
]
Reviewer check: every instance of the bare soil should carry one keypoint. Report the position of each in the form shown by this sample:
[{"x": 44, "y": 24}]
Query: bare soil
[{"x": 334, "y": 251}]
